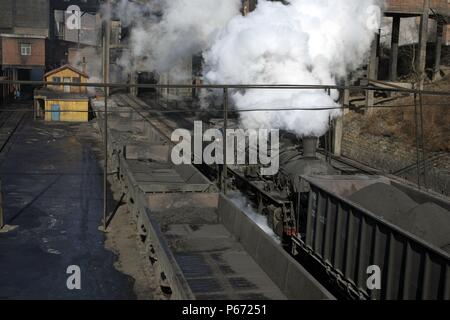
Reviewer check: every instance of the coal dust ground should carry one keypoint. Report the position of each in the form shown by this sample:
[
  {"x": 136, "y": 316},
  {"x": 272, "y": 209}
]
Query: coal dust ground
[{"x": 52, "y": 186}]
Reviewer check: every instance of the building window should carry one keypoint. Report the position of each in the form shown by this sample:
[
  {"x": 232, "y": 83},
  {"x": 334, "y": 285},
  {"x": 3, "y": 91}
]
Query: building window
[
  {"x": 76, "y": 80},
  {"x": 25, "y": 49},
  {"x": 57, "y": 79}
]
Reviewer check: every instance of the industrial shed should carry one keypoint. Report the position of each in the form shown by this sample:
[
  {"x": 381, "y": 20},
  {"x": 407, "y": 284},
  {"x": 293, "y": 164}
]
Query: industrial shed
[{"x": 63, "y": 102}]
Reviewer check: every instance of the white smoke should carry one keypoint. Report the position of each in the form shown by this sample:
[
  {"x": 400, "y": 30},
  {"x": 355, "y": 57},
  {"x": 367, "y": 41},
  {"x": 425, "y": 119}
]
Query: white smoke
[
  {"x": 306, "y": 42},
  {"x": 261, "y": 221},
  {"x": 93, "y": 60},
  {"x": 167, "y": 32}
]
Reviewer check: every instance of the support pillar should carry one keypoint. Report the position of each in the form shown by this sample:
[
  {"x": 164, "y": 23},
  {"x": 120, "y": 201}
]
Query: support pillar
[
  {"x": 338, "y": 126},
  {"x": 337, "y": 135},
  {"x": 422, "y": 50},
  {"x": 16, "y": 77},
  {"x": 438, "y": 51},
  {"x": 133, "y": 80},
  {"x": 372, "y": 73},
  {"x": 394, "y": 48}
]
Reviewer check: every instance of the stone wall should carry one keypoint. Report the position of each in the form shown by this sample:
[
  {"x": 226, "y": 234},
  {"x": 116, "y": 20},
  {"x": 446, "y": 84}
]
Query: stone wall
[{"x": 390, "y": 154}]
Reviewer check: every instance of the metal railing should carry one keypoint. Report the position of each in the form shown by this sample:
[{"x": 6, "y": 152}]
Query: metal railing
[{"x": 226, "y": 88}]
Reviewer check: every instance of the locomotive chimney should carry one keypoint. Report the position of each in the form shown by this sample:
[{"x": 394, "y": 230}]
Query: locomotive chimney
[{"x": 309, "y": 147}]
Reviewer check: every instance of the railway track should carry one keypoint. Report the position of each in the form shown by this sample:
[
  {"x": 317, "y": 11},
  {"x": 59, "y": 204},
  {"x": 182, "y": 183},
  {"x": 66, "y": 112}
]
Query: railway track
[
  {"x": 164, "y": 125},
  {"x": 201, "y": 244}
]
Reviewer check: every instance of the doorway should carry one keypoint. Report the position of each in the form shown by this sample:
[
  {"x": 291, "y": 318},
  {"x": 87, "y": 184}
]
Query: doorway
[{"x": 56, "y": 112}]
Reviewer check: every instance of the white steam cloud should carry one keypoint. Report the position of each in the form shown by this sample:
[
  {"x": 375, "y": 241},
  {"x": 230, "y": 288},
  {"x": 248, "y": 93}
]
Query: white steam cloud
[
  {"x": 300, "y": 42},
  {"x": 246, "y": 206},
  {"x": 306, "y": 42},
  {"x": 165, "y": 32}
]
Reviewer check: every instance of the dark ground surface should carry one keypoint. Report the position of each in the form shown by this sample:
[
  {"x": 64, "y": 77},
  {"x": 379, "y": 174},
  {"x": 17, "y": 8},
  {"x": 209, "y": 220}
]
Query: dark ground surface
[{"x": 52, "y": 190}]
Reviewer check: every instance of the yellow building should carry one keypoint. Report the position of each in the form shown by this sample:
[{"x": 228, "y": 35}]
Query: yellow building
[
  {"x": 67, "y": 74},
  {"x": 63, "y": 102}
]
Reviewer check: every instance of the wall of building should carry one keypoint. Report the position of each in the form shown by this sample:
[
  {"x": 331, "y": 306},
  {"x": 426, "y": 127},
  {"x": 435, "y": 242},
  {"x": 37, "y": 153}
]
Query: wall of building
[
  {"x": 29, "y": 17},
  {"x": 67, "y": 73},
  {"x": 11, "y": 55},
  {"x": 88, "y": 34},
  {"x": 6, "y": 16},
  {"x": 415, "y": 5},
  {"x": 70, "y": 110}
]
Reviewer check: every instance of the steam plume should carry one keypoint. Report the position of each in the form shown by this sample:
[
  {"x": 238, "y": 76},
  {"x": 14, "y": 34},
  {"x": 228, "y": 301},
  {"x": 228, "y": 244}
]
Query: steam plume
[
  {"x": 305, "y": 42},
  {"x": 165, "y": 32}
]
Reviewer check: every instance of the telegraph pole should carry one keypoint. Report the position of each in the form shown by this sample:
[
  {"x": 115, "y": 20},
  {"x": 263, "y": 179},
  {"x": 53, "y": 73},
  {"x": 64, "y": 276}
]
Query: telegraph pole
[{"x": 106, "y": 45}]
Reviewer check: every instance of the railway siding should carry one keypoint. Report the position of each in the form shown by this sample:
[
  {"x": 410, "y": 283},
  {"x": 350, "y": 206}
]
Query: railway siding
[{"x": 202, "y": 245}]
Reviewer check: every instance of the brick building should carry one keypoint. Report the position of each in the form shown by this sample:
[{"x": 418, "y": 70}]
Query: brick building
[
  {"x": 34, "y": 38},
  {"x": 30, "y": 17},
  {"x": 24, "y": 28}
]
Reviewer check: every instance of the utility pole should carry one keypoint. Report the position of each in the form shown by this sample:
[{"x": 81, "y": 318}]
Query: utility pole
[{"x": 106, "y": 44}]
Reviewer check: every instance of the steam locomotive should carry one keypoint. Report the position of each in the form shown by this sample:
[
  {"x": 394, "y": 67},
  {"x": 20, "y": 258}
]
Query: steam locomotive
[{"x": 348, "y": 222}]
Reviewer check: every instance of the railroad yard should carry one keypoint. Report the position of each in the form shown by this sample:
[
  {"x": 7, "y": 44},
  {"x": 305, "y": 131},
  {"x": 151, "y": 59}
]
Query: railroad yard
[{"x": 236, "y": 151}]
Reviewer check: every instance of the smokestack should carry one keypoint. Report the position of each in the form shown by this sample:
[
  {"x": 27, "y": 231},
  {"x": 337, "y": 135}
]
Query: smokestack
[
  {"x": 309, "y": 147},
  {"x": 84, "y": 65}
]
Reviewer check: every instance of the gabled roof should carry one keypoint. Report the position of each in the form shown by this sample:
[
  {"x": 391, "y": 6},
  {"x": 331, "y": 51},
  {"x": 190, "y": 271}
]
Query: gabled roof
[{"x": 66, "y": 66}]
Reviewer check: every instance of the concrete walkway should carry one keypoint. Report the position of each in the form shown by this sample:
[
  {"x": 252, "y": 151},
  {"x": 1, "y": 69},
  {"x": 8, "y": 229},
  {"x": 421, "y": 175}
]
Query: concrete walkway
[{"x": 52, "y": 190}]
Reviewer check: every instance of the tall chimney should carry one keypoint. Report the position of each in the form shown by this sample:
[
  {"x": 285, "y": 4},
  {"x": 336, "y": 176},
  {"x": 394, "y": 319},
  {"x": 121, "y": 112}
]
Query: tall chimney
[
  {"x": 84, "y": 65},
  {"x": 309, "y": 147}
]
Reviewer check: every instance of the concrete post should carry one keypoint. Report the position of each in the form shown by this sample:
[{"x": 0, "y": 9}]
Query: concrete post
[
  {"x": 394, "y": 48},
  {"x": 107, "y": 52},
  {"x": 339, "y": 122},
  {"x": 106, "y": 46},
  {"x": 346, "y": 97},
  {"x": 133, "y": 80},
  {"x": 16, "y": 77},
  {"x": 438, "y": 52},
  {"x": 422, "y": 50},
  {"x": 372, "y": 73},
  {"x": 337, "y": 135}
]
